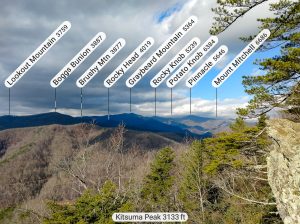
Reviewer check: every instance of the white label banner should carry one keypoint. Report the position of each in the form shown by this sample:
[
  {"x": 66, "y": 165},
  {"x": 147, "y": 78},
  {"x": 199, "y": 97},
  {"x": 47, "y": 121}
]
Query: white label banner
[
  {"x": 78, "y": 59},
  {"x": 128, "y": 62},
  {"x": 161, "y": 51},
  {"x": 150, "y": 217},
  {"x": 192, "y": 61},
  {"x": 207, "y": 65},
  {"x": 37, "y": 54},
  {"x": 175, "y": 62},
  {"x": 100, "y": 63},
  {"x": 241, "y": 58}
]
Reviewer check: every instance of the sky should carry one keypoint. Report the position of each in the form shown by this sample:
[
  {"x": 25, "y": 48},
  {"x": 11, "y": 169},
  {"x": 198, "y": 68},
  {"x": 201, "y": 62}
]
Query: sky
[{"x": 24, "y": 25}]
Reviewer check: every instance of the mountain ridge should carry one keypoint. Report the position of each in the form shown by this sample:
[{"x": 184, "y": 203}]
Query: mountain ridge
[{"x": 191, "y": 125}]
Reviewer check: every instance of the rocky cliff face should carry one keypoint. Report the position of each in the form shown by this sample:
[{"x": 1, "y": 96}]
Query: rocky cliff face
[{"x": 284, "y": 168}]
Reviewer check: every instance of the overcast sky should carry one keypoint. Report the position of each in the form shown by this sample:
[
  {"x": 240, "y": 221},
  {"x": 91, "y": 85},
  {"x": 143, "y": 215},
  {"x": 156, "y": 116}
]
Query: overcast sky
[{"x": 24, "y": 25}]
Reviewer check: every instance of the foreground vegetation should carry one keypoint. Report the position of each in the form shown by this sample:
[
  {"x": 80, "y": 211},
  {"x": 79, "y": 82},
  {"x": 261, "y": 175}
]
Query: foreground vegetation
[{"x": 216, "y": 180}]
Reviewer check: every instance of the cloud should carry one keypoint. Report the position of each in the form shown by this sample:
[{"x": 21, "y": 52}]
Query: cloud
[
  {"x": 202, "y": 107},
  {"x": 24, "y": 25}
]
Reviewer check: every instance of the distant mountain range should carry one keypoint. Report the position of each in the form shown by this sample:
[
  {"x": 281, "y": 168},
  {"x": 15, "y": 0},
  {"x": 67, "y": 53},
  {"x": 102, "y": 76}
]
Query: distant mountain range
[{"x": 193, "y": 126}]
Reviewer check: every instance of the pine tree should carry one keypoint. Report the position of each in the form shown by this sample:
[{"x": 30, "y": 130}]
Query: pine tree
[
  {"x": 238, "y": 125},
  {"x": 279, "y": 86},
  {"x": 193, "y": 190},
  {"x": 90, "y": 207},
  {"x": 261, "y": 124},
  {"x": 155, "y": 193}
]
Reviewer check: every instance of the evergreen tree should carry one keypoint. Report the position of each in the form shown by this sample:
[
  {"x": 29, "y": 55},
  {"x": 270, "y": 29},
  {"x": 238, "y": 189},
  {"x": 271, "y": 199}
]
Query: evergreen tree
[
  {"x": 193, "y": 190},
  {"x": 238, "y": 125},
  {"x": 279, "y": 86},
  {"x": 90, "y": 207},
  {"x": 261, "y": 124},
  {"x": 155, "y": 193}
]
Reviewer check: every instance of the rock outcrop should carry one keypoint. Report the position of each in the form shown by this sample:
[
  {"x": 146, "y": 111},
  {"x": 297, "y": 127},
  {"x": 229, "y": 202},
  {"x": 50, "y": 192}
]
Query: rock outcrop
[{"x": 284, "y": 168}]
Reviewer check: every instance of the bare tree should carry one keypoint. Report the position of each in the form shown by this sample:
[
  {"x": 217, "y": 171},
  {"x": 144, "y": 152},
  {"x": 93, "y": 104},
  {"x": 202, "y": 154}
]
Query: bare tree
[
  {"x": 116, "y": 144},
  {"x": 243, "y": 185},
  {"x": 77, "y": 167}
]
